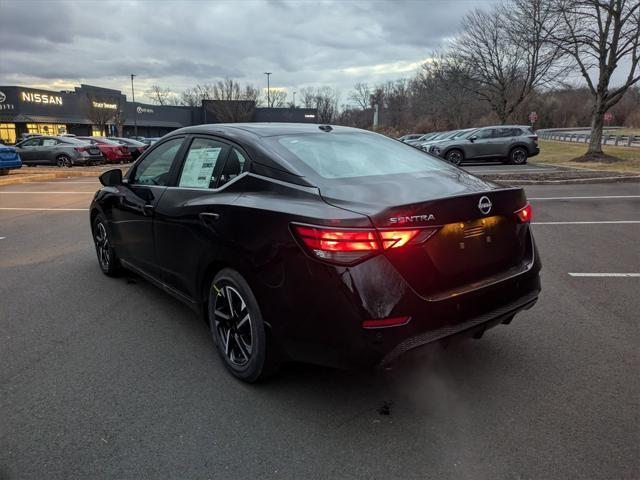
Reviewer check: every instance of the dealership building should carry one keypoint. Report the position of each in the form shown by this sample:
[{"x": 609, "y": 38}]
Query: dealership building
[{"x": 96, "y": 111}]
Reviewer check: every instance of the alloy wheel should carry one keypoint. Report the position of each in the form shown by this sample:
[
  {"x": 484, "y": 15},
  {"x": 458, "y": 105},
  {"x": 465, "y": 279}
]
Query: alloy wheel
[
  {"x": 455, "y": 157},
  {"x": 518, "y": 156},
  {"x": 233, "y": 325},
  {"x": 102, "y": 245}
]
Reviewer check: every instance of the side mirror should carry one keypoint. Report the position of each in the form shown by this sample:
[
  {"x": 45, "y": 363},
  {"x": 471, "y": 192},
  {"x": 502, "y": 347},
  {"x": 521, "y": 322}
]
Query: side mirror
[
  {"x": 111, "y": 178},
  {"x": 473, "y": 138}
]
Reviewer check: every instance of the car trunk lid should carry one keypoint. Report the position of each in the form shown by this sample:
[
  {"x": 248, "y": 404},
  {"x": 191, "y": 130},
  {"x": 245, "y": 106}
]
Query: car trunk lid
[{"x": 478, "y": 236}]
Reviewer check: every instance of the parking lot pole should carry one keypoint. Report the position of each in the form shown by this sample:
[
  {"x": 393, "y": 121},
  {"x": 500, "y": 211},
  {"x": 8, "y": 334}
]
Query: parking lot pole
[{"x": 135, "y": 110}]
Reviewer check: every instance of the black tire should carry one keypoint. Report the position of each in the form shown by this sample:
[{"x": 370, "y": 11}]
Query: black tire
[
  {"x": 64, "y": 161},
  {"x": 455, "y": 156},
  {"x": 107, "y": 258},
  {"x": 238, "y": 329},
  {"x": 518, "y": 156}
]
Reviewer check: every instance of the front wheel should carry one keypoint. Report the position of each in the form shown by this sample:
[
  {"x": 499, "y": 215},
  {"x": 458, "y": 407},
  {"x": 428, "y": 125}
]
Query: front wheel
[
  {"x": 237, "y": 327},
  {"x": 455, "y": 157},
  {"x": 518, "y": 156},
  {"x": 107, "y": 258}
]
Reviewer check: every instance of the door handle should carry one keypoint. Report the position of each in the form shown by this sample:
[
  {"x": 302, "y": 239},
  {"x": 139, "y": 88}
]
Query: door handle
[
  {"x": 209, "y": 216},
  {"x": 148, "y": 209}
]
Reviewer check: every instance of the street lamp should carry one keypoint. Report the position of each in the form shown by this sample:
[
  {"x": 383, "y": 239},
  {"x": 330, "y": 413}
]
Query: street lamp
[
  {"x": 135, "y": 110},
  {"x": 268, "y": 74},
  {"x": 294, "y": 99}
]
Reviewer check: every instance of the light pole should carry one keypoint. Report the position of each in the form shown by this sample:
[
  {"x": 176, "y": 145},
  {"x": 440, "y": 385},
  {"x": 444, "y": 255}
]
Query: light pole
[
  {"x": 135, "y": 110},
  {"x": 294, "y": 99},
  {"x": 268, "y": 74}
]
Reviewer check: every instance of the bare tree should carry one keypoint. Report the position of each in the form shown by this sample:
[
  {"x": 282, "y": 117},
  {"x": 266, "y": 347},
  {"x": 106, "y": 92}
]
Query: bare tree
[
  {"x": 277, "y": 98},
  {"x": 120, "y": 115},
  {"x": 505, "y": 53},
  {"x": 231, "y": 102},
  {"x": 308, "y": 97},
  {"x": 361, "y": 95},
  {"x": 193, "y": 97},
  {"x": 159, "y": 95},
  {"x": 599, "y": 35},
  {"x": 99, "y": 111}
]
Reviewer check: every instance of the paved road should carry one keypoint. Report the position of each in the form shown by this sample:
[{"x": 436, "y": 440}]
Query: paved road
[{"x": 104, "y": 378}]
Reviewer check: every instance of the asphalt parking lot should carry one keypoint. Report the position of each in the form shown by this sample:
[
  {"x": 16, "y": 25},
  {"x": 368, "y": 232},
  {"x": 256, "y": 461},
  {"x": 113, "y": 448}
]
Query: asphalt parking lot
[{"x": 112, "y": 378}]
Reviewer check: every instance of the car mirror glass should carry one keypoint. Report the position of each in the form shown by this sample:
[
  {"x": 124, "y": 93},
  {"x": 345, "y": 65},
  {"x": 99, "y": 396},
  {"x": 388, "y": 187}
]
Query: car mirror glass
[
  {"x": 111, "y": 178},
  {"x": 473, "y": 138}
]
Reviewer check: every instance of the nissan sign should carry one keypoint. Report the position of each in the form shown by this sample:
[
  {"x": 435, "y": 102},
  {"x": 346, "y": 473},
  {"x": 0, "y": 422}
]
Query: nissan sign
[{"x": 44, "y": 98}]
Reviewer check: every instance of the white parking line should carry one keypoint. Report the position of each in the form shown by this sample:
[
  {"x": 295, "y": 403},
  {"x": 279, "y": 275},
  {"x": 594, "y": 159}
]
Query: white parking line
[
  {"x": 605, "y": 197},
  {"x": 586, "y": 223},
  {"x": 2, "y": 238},
  {"x": 45, "y": 209},
  {"x": 47, "y": 193},
  {"x": 64, "y": 181},
  {"x": 598, "y": 275}
]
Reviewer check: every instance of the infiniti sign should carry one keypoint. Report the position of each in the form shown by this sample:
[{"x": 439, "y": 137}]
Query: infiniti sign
[
  {"x": 3, "y": 97},
  {"x": 484, "y": 205}
]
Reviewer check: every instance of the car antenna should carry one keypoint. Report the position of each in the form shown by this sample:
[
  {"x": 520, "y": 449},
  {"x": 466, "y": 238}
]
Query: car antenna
[{"x": 325, "y": 128}]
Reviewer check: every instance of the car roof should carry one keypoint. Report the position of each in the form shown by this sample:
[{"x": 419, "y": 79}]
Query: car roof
[{"x": 262, "y": 129}]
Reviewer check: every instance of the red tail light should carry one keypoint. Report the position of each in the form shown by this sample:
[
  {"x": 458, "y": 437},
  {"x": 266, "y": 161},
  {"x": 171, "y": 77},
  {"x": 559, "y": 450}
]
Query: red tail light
[
  {"x": 525, "y": 213},
  {"x": 81, "y": 149},
  {"x": 534, "y": 137},
  {"x": 141, "y": 149},
  {"x": 386, "y": 322},
  {"x": 350, "y": 246}
]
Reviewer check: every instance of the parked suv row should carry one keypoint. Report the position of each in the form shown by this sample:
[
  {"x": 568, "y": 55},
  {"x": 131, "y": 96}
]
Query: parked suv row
[{"x": 509, "y": 143}]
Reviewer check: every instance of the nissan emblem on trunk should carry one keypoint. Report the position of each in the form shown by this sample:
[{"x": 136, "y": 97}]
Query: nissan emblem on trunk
[{"x": 484, "y": 205}]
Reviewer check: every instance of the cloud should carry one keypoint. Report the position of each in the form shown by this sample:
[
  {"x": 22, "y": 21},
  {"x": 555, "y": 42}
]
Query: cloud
[{"x": 179, "y": 44}]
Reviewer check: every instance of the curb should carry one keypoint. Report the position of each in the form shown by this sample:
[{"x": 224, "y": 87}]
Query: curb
[{"x": 46, "y": 175}]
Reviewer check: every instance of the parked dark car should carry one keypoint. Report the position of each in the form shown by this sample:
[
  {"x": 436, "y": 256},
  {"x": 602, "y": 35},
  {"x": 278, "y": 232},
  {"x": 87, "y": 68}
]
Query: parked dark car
[
  {"x": 321, "y": 244},
  {"x": 423, "y": 138},
  {"x": 134, "y": 146},
  {"x": 60, "y": 151},
  {"x": 9, "y": 159},
  {"x": 112, "y": 151},
  {"x": 509, "y": 143}
]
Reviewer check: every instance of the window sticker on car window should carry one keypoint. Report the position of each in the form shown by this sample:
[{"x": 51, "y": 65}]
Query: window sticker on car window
[
  {"x": 48, "y": 142},
  {"x": 198, "y": 168}
]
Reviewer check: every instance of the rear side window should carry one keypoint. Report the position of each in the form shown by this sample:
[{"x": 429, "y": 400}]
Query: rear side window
[
  {"x": 155, "y": 168},
  {"x": 49, "y": 142},
  {"x": 199, "y": 169},
  {"x": 234, "y": 166},
  {"x": 354, "y": 154}
]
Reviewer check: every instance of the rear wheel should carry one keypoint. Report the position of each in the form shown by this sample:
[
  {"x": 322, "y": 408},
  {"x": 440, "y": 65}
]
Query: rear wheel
[
  {"x": 455, "y": 157},
  {"x": 237, "y": 327},
  {"x": 64, "y": 161},
  {"x": 107, "y": 258},
  {"x": 518, "y": 156}
]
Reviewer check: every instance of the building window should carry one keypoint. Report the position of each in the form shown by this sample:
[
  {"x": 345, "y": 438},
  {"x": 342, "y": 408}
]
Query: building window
[
  {"x": 97, "y": 132},
  {"x": 8, "y": 132},
  {"x": 46, "y": 128}
]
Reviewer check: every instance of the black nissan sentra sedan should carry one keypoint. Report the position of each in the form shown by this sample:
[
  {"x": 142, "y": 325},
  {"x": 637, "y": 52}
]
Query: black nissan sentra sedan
[{"x": 317, "y": 243}]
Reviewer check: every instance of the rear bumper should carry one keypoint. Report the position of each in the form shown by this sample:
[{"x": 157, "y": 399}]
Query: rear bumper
[
  {"x": 317, "y": 317},
  {"x": 472, "y": 327},
  {"x": 534, "y": 151}
]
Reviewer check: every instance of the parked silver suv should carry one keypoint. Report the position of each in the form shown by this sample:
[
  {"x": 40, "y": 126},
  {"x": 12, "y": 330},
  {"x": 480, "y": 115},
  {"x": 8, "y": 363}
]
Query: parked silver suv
[
  {"x": 60, "y": 151},
  {"x": 509, "y": 143}
]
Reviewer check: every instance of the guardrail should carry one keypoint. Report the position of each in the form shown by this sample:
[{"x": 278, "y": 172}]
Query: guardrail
[{"x": 619, "y": 140}]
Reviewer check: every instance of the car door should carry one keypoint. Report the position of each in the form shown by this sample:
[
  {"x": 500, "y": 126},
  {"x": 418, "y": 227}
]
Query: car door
[
  {"x": 192, "y": 223},
  {"x": 46, "y": 151},
  {"x": 481, "y": 146},
  {"x": 28, "y": 150},
  {"x": 500, "y": 142},
  {"x": 132, "y": 215}
]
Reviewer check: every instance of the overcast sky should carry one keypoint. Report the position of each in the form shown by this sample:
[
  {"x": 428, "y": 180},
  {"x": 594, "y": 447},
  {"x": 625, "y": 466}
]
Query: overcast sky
[{"x": 175, "y": 44}]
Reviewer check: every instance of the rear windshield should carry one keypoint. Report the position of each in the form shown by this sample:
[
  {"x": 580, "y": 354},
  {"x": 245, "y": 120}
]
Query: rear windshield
[{"x": 354, "y": 154}]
